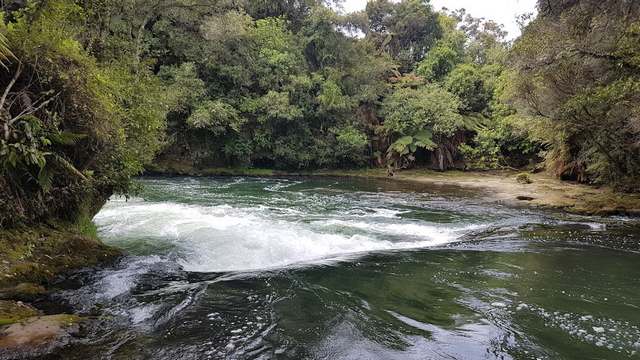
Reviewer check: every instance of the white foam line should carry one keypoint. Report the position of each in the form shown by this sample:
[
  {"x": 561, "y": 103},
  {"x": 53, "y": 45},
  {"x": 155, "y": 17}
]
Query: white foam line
[{"x": 223, "y": 238}]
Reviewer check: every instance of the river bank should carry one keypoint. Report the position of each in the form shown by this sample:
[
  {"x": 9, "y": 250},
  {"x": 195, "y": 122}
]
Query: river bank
[
  {"x": 31, "y": 260},
  {"x": 540, "y": 190}
]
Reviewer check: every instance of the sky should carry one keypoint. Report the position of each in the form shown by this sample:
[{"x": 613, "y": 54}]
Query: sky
[{"x": 501, "y": 11}]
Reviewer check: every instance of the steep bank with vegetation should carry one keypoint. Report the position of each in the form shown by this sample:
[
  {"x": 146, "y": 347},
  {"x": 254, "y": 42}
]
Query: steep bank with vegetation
[
  {"x": 74, "y": 127},
  {"x": 575, "y": 80},
  {"x": 73, "y": 130}
]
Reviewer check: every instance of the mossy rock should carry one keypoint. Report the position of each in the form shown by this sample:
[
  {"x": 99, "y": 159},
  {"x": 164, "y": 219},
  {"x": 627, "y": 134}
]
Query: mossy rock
[
  {"x": 38, "y": 336},
  {"x": 37, "y": 254},
  {"x": 23, "y": 291},
  {"x": 524, "y": 178},
  {"x": 15, "y": 311}
]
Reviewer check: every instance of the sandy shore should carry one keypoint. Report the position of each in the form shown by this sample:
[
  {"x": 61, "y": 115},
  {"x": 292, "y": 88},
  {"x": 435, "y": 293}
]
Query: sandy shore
[{"x": 543, "y": 191}]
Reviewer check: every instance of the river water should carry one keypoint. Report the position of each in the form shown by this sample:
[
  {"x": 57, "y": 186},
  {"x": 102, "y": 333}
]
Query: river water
[{"x": 240, "y": 268}]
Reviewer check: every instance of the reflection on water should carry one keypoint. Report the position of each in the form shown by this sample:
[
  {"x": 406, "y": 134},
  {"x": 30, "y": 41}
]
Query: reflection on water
[{"x": 353, "y": 269}]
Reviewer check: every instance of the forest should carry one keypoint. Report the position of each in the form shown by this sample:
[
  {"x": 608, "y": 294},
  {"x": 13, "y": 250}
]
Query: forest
[{"x": 94, "y": 91}]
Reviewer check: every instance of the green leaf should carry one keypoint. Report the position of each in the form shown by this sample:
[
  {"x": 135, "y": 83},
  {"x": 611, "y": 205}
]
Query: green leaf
[
  {"x": 45, "y": 178},
  {"x": 424, "y": 136},
  {"x": 405, "y": 140},
  {"x": 66, "y": 138}
]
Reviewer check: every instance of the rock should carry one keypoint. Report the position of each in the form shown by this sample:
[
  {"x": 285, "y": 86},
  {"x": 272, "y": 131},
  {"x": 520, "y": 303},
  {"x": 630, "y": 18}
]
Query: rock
[
  {"x": 12, "y": 312},
  {"x": 23, "y": 291},
  {"x": 37, "y": 336},
  {"x": 525, "y": 198},
  {"x": 524, "y": 179}
]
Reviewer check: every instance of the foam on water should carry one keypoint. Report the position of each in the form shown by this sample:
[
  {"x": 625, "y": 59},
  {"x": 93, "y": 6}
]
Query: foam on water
[
  {"x": 223, "y": 238},
  {"x": 438, "y": 235},
  {"x": 118, "y": 282},
  {"x": 616, "y": 335}
]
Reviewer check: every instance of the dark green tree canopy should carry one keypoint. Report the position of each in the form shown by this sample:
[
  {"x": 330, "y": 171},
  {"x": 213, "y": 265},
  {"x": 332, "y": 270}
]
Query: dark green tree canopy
[{"x": 576, "y": 77}]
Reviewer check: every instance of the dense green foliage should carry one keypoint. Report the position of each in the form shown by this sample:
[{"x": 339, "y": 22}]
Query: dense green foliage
[
  {"x": 73, "y": 130},
  {"x": 92, "y": 91},
  {"x": 576, "y": 80},
  {"x": 295, "y": 89}
]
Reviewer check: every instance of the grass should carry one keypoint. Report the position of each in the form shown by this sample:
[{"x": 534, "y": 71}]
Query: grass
[
  {"x": 524, "y": 178},
  {"x": 85, "y": 226}
]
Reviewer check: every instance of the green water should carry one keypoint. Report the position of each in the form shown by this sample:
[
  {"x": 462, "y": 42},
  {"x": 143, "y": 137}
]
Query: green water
[{"x": 237, "y": 268}]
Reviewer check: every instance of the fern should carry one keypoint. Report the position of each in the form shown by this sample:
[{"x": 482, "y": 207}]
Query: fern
[
  {"x": 5, "y": 53},
  {"x": 45, "y": 177},
  {"x": 474, "y": 122},
  {"x": 66, "y": 138},
  {"x": 403, "y": 149}
]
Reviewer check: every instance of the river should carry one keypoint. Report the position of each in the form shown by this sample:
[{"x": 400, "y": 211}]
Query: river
[{"x": 324, "y": 268}]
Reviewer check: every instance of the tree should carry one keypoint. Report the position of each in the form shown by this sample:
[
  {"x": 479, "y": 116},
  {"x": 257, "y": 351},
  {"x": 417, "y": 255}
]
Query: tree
[
  {"x": 472, "y": 86},
  {"x": 423, "y": 118},
  {"x": 575, "y": 78},
  {"x": 406, "y": 30},
  {"x": 447, "y": 53}
]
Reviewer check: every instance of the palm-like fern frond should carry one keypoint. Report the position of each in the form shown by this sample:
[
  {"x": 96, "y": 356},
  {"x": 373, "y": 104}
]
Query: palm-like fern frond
[
  {"x": 5, "y": 53},
  {"x": 66, "y": 138}
]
